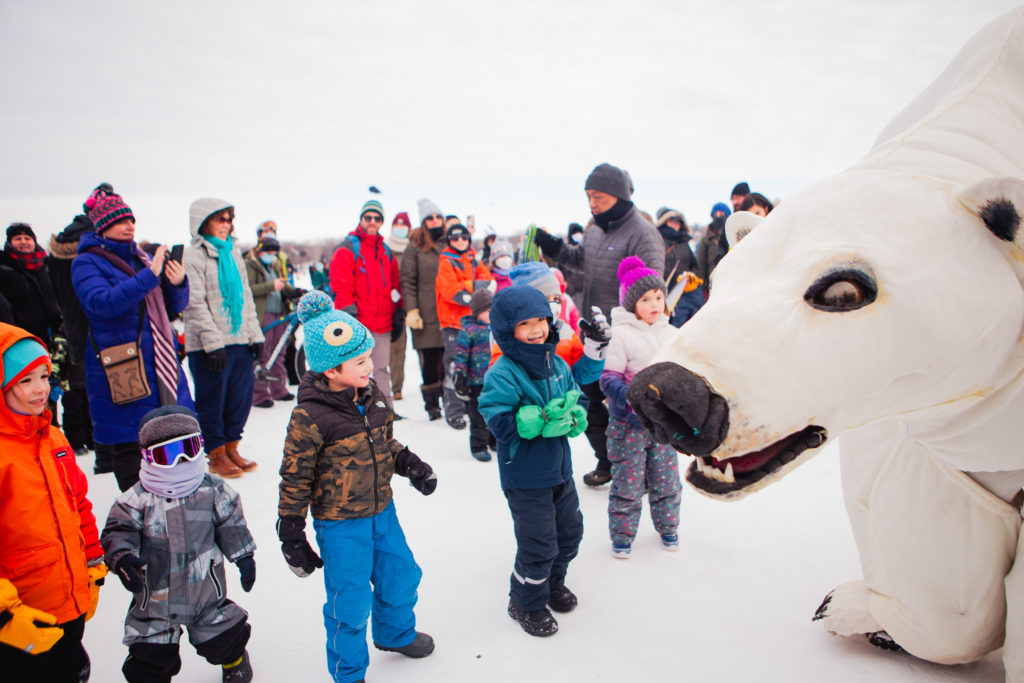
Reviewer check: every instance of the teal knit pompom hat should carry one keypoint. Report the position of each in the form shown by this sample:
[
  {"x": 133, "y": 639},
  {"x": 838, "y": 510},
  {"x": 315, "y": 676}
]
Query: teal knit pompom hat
[{"x": 331, "y": 336}]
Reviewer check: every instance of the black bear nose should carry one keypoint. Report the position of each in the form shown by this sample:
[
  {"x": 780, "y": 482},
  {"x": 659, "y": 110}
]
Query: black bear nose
[{"x": 679, "y": 408}]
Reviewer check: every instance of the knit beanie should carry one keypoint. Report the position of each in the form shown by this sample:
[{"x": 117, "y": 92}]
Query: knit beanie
[
  {"x": 331, "y": 337},
  {"x": 167, "y": 423},
  {"x": 502, "y": 248},
  {"x": 372, "y": 205},
  {"x": 741, "y": 188},
  {"x": 106, "y": 208},
  {"x": 720, "y": 206},
  {"x": 635, "y": 280},
  {"x": 428, "y": 208},
  {"x": 610, "y": 180},
  {"x": 480, "y": 301},
  {"x": 21, "y": 358},
  {"x": 536, "y": 275},
  {"x": 15, "y": 229},
  {"x": 268, "y": 244},
  {"x": 401, "y": 216}
]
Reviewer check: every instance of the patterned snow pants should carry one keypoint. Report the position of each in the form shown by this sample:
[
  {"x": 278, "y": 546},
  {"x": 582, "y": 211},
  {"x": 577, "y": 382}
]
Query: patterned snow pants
[{"x": 639, "y": 466}]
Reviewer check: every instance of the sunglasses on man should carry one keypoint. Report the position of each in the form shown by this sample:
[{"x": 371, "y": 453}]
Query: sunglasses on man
[{"x": 372, "y": 218}]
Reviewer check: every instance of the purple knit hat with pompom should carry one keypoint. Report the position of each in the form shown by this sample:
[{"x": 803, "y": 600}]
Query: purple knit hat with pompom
[{"x": 635, "y": 280}]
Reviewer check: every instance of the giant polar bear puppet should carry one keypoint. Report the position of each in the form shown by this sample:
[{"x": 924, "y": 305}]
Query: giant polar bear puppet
[{"x": 885, "y": 304}]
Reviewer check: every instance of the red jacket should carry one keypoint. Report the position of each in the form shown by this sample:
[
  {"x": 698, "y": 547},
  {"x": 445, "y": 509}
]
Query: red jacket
[
  {"x": 47, "y": 528},
  {"x": 456, "y": 273},
  {"x": 363, "y": 273}
]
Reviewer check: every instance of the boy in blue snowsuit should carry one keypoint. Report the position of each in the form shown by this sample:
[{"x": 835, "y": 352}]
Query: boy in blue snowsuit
[
  {"x": 339, "y": 456},
  {"x": 530, "y": 402},
  {"x": 472, "y": 355}
]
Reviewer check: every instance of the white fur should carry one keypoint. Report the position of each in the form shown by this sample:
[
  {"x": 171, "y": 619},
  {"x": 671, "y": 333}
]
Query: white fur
[{"x": 927, "y": 382}]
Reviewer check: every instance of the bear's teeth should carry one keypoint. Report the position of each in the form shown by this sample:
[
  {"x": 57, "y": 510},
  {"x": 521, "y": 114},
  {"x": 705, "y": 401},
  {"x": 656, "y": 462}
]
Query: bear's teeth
[
  {"x": 712, "y": 472},
  {"x": 729, "y": 476}
]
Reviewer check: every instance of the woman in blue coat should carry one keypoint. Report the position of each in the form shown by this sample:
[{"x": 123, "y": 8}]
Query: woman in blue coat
[{"x": 117, "y": 283}]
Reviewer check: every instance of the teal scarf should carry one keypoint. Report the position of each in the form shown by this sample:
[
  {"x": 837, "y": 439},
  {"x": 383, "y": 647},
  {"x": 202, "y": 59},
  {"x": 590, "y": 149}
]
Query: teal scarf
[{"x": 230, "y": 280}]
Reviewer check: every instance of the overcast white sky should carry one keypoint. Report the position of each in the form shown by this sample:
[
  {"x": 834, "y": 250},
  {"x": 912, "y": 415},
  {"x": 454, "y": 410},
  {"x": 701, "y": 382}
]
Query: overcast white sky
[{"x": 290, "y": 110}]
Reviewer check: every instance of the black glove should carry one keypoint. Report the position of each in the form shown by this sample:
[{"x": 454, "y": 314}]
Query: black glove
[
  {"x": 217, "y": 360},
  {"x": 299, "y": 555},
  {"x": 255, "y": 350},
  {"x": 247, "y": 568},
  {"x": 548, "y": 243},
  {"x": 397, "y": 323},
  {"x": 461, "y": 385},
  {"x": 462, "y": 298},
  {"x": 127, "y": 569},
  {"x": 295, "y": 293},
  {"x": 421, "y": 475}
]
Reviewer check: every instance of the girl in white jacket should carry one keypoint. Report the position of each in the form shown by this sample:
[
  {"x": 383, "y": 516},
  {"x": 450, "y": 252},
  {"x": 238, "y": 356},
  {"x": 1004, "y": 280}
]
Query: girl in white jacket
[{"x": 639, "y": 328}]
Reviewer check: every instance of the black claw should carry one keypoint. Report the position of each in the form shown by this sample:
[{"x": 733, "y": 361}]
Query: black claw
[
  {"x": 822, "y": 610},
  {"x": 883, "y": 640}
]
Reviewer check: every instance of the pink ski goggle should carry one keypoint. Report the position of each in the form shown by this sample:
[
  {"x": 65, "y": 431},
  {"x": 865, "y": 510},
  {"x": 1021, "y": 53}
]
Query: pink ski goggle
[{"x": 168, "y": 453}]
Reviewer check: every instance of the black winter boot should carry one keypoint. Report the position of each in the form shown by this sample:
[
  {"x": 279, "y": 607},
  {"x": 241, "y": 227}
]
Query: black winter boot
[
  {"x": 239, "y": 673},
  {"x": 538, "y": 622},
  {"x": 432, "y": 400},
  {"x": 562, "y": 599},
  {"x": 421, "y": 646}
]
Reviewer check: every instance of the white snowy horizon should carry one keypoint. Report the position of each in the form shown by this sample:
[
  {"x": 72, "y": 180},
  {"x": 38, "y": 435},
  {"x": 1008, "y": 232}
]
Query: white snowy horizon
[{"x": 494, "y": 109}]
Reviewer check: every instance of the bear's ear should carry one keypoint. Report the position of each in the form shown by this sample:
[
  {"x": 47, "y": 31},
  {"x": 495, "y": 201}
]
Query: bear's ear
[
  {"x": 739, "y": 225},
  {"x": 998, "y": 202}
]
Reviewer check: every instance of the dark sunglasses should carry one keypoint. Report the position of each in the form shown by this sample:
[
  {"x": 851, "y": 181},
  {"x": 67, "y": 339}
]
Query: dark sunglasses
[
  {"x": 372, "y": 218},
  {"x": 168, "y": 453},
  {"x": 435, "y": 217},
  {"x": 455, "y": 238}
]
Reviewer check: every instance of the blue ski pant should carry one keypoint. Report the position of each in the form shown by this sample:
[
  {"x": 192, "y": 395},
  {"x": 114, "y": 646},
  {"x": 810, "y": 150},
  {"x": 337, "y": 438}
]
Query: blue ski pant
[
  {"x": 369, "y": 571},
  {"x": 223, "y": 399},
  {"x": 548, "y": 528}
]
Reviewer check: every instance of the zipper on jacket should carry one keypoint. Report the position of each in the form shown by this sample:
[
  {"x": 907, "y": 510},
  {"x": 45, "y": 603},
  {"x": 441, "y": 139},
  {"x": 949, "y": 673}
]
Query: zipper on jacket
[
  {"x": 218, "y": 589},
  {"x": 373, "y": 460}
]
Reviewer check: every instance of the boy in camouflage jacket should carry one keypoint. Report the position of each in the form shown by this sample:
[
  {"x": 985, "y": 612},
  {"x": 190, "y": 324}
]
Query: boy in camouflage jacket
[
  {"x": 339, "y": 457},
  {"x": 166, "y": 538}
]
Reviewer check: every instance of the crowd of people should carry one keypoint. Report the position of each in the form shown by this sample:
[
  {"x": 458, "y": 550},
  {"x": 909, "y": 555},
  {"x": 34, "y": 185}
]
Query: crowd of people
[{"x": 527, "y": 345}]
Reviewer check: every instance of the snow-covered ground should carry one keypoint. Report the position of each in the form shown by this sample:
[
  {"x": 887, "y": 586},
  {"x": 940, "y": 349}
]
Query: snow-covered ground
[{"x": 734, "y": 604}]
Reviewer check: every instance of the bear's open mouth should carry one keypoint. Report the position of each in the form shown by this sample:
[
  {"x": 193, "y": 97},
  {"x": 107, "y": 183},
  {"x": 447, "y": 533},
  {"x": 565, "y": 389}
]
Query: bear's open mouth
[{"x": 724, "y": 477}]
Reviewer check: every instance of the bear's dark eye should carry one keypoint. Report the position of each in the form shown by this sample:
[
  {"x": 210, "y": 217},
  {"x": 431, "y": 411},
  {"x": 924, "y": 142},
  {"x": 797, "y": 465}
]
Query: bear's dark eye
[{"x": 844, "y": 289}]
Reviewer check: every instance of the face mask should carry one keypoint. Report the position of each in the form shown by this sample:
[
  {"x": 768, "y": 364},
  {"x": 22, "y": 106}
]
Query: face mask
[
  {"x": 268, "y": 259},
  {"x": 576, "y": 238},
  {"x": 400, "y": 232},
  {"x": 435, "y": 233},
  {"x": 556, "y": 308},
  {"x": 503, "y": 262}
]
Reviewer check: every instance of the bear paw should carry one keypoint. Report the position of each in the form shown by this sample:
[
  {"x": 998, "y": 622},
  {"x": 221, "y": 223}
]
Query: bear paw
[{"x": 844, "y": 611}]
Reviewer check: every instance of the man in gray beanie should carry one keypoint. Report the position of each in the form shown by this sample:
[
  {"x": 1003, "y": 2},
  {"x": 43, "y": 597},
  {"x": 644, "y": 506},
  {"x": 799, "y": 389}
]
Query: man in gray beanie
[{"x": 621, "y": 232}]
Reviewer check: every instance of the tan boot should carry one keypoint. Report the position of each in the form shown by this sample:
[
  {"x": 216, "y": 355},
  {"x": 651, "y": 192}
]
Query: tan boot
[
  {"x": 219, "y": 463},
  {"x": 236, "y": 458}
]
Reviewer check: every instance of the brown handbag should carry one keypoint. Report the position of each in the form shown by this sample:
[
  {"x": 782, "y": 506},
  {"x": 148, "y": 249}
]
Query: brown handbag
[{"x": 122, "y": 364}]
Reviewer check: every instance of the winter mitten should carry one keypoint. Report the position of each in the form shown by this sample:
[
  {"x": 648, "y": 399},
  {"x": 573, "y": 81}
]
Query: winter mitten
[
  {"x": 550, "y": 245},
  {"x": 462, "y": 297},
  {"x": 299, "y": 555},
  {"x": 397, "y": 324},
  {"x": 23, "y": 627},
  {"x": 217, "y": 360},
  {"x": 247, "y": 568},
  {"x": 692, "y": 282},
  {"x": 596, "y": 334},
  {"x": 421, "y": 475},
  {"x": 256, "y": 349},
  {"x": 413, "y": 319},
  {"x": 579, "y": 418},
  {"x": 529, "y": 422},
  {"x": 127, "y": 569},
  {"x": 461, "y": 385},
  {"x": 96, "y": 574}
]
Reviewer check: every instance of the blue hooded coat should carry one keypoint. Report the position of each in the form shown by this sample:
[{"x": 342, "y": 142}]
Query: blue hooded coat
[
  {"x": 110, "y": 299},
  {"x": 526, "y": 374}
]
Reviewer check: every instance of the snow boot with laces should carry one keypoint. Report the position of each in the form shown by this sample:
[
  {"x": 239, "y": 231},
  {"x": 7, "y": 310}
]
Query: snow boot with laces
[{"x": 537, "y": 622}]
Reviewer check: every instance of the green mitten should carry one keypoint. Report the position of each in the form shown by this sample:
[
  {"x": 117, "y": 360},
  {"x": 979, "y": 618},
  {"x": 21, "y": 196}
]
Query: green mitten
[
  {"x": 579, "y": 417},
  {"x": 558, "y": 412},
  {"x": 529, "y": 422}
]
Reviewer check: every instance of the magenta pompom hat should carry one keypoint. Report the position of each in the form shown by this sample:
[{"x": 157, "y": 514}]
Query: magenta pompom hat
[
  {"x": 106, "y": 208},
  {"x": 635, "y": 280}
]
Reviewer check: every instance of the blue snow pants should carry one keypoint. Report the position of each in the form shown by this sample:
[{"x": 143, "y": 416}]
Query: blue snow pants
[
  {"x": 223, "y": 399},
  {"x": 548, "y": 527},
  {"x": 368, "y": 570}
]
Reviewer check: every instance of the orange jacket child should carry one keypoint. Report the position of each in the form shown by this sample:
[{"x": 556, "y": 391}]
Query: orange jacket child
[
  {"x": 50, "y": 556},
  {"x": 457, "y": 272}
]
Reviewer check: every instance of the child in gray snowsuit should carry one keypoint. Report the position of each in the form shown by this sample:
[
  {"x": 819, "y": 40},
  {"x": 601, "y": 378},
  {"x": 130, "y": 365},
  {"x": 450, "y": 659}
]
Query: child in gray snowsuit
[{"x": 166, "y": 538}]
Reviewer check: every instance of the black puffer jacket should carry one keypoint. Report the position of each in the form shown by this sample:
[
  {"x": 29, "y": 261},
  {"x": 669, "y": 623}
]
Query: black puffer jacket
[
  {"x": 31, "y": 303},
  {"x": 63, "y": 250}
]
